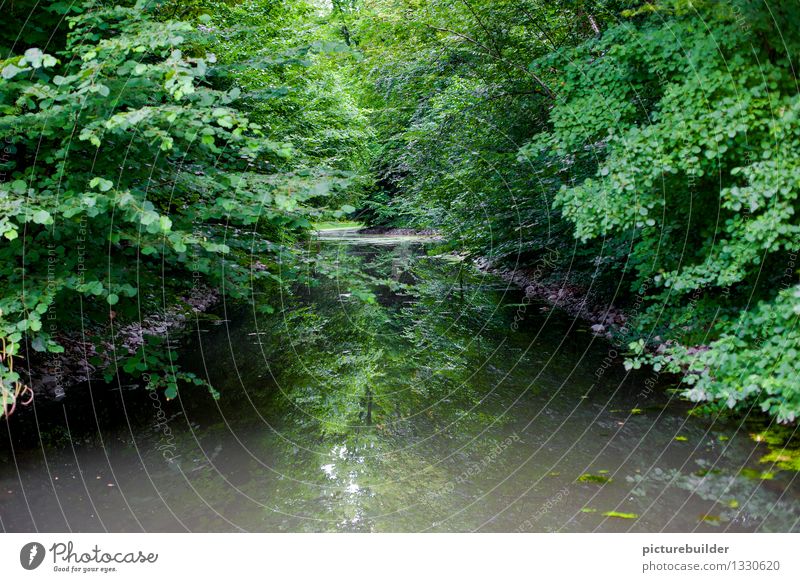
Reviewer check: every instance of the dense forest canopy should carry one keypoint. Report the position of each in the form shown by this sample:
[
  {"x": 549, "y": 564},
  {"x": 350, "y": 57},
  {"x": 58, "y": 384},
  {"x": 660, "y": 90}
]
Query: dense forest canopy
[{"x": 649, "y": 150}]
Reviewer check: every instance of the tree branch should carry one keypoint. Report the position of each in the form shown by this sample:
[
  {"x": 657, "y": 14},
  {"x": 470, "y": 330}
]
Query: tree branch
[{"x": 549, "y": 92}]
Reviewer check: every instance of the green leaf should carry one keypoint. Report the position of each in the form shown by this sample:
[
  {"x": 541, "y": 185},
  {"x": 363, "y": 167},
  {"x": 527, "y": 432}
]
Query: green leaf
[
  {"x": 148, "y": 217},
  {"x": 34, "y": 56},
  {"x": 41, "y": 217},
  {"x": 101, "y": 183},
  {"x": 620, "y": 515},
  {"x": 38, "y": 344},
  {"x": 10, "y": 71}
]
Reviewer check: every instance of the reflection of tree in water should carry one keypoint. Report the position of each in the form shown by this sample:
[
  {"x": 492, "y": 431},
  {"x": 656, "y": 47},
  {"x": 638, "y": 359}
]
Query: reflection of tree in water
[
  {"x": 382, "y": 369},
  {"x": 371, "y": 348}
]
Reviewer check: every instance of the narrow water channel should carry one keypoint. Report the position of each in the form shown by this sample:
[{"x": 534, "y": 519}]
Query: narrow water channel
[{"x": 398, "y": 390}]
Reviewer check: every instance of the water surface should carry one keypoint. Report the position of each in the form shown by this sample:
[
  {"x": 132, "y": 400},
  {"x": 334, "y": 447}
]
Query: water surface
[{"x": 398, "y": 390}]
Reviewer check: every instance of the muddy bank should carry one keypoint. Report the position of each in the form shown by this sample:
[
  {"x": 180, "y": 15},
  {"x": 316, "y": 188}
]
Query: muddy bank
[
  {"x": 52, "y": 375},
  {"x": 605, "y": 319}
]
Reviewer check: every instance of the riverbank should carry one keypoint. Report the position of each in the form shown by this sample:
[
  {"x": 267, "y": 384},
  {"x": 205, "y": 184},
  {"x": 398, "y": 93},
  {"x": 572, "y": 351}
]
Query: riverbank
[
  {"x": 51, "y": 375},
  {"x": 605, "y": 319}
]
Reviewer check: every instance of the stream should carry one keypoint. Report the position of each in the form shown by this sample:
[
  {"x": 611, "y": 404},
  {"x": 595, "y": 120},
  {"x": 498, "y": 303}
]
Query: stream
[{"x": 397, "y": 390}]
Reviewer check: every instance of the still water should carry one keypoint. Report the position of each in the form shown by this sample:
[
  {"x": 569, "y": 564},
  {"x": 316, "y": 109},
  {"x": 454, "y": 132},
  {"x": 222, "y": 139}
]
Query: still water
[{"x": 398, "y": 390}]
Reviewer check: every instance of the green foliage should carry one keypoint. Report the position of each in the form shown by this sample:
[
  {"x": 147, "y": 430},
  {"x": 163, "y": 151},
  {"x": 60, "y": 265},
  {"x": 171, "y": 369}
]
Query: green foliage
[
  {"x": 454, "y": 96},
  {"x": 692, "y": 158},
  {"x": 662, "y": 136},
  {"x": 131, "y": 173},
  {"x": 653, "y": 144}
]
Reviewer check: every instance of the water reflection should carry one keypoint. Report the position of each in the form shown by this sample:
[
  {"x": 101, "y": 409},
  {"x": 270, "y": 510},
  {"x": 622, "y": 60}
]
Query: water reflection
[{"x": 394, "y": 392}]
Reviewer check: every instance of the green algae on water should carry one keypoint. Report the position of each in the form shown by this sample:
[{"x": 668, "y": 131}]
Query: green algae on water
[
  {"x": 620, "y": 515},
  {"x": 589, "y": 478}
]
